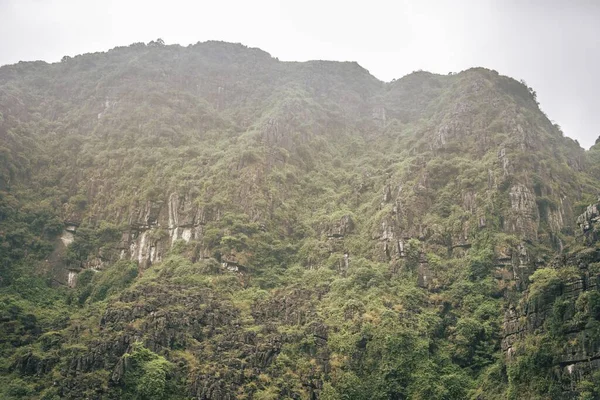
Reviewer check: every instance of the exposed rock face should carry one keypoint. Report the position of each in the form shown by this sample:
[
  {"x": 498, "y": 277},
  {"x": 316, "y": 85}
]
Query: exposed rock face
[
  {"x": 564, "y": 308},
  {"x": 340, "y": 228},
  {"x": 230, "y": 263},
  {"x": 67, "y": 237},
  {"x": 580, "y": 354},
  {"x": 390, "y": 245},
  {"x": 108, "y": 104},
  {"x": 344, "y": 216},
  {"x": 379, "y": 114},
  {"x": 153, "y": 228},
  {"x": 588, "y": 223},
  {"x": 506, "y": 166},
  {"x": 423, "y": 273},
  {"x": 72, "y": 279},
  {"x": 524, "y": 216},
  {"x": 158, "y": 227}
]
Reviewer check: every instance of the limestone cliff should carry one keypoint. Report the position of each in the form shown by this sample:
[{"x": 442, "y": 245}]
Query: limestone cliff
[{"x": 210, "y": 222}]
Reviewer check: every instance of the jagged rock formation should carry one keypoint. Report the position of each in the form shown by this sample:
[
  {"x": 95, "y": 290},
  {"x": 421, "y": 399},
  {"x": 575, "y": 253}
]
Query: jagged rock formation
[
  {"x": 564, "y": 309},
  {"x": 227, "y": 225}
]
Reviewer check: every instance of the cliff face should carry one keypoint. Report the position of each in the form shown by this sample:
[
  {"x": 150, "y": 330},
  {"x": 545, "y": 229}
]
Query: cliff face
[
  {"x": 560, "y": 311},
  {"x": 218, "y": 224}
]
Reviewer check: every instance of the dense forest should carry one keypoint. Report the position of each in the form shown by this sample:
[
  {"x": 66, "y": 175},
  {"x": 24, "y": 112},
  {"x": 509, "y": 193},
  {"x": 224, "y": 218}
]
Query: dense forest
[{"x": 208, "y": 222}]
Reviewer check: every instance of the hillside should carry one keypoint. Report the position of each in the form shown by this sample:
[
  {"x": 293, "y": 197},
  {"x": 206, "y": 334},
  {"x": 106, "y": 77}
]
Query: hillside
[{"x": 209, "y": 222}]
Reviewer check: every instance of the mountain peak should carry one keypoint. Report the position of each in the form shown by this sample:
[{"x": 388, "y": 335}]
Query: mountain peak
[{"x": 210, "y": 222}]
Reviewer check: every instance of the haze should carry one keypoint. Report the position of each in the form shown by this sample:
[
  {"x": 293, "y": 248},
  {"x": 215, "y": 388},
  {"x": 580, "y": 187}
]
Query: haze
[{"x": 552, "y": 45}]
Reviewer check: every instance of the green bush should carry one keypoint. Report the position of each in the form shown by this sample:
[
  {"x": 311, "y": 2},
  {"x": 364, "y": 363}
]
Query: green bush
[{"x": 147, "y": 375}]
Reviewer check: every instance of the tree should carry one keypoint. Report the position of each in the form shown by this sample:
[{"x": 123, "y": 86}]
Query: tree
[{"x": 158, "y": 42}]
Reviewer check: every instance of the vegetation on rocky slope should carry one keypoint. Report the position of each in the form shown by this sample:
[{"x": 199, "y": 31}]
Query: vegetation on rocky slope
[{"x": 209, "y": 222}]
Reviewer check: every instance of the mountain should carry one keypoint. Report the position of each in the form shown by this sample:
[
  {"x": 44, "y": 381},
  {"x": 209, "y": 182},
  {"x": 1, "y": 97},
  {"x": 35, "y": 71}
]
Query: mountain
[{"x": 209, "y": 222}]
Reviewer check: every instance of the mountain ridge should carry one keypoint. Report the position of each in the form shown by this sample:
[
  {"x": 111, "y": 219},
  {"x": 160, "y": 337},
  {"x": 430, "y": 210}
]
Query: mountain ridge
[
  {"x": 221, "y": 224},
  {"x": 237, "y": 46}
]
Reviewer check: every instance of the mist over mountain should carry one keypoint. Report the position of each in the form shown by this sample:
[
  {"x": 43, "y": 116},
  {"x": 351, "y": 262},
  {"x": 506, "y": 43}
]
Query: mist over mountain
[{"x": 208, "y": 222}]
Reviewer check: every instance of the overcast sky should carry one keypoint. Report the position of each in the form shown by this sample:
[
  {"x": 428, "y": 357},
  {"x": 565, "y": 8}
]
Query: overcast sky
[{"x": 553, "y": 44}]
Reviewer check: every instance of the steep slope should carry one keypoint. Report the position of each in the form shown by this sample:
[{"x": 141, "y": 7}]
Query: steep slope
[{"x": 218, "y": 224}]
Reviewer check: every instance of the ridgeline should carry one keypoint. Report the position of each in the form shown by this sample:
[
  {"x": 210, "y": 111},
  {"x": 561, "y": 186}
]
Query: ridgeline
[{"x": 207, "y": 222}]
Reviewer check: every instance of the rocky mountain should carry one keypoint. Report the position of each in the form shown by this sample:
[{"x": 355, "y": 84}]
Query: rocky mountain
[{"x": 208, "y": 222}]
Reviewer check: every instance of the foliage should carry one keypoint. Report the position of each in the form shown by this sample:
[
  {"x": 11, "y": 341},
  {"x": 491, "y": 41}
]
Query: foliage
[
  {"x": 147, "y": 376},
  {"x": 352, "y": 239}
]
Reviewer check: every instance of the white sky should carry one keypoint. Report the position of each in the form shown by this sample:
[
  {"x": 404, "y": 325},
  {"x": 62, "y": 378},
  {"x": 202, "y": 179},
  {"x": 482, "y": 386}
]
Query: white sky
[{"x": 553, "y": 44}]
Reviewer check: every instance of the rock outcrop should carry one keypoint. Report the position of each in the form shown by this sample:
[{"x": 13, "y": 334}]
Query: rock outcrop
[{"x": 565, "y": 308}]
